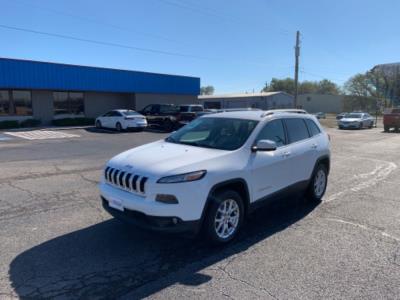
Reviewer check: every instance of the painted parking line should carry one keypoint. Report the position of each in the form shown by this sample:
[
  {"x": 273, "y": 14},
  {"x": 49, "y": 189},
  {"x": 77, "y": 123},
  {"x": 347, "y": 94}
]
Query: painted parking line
[{"x": 41, "y": 135}]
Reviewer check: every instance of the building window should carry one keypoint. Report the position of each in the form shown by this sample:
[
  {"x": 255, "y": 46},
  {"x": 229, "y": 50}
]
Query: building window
[
  {"x": 68, "y": 103},
  {"x": 15, "y": 103}
]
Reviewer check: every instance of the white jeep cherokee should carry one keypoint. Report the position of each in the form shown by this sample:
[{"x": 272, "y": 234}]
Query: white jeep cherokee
[{"x": 217, "y": 169}]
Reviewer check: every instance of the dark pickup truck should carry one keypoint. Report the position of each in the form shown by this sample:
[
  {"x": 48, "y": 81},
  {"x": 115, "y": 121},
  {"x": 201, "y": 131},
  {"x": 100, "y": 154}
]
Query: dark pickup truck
[
  {"x": 391, "y": 119},
  {"x": 165, "y": 116},
  {"x": 189, "y": 112}
]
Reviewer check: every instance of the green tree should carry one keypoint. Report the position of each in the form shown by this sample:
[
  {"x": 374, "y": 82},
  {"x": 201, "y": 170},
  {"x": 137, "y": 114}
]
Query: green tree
[
  {"x": 207, "y": 90},
  {"x": 282, "y": 85},
  {"x": 324, "y": 86}
]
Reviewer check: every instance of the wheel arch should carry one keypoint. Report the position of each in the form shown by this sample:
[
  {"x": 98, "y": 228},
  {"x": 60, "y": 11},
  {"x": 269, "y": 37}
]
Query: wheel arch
[{"x": 238, "y": 185}]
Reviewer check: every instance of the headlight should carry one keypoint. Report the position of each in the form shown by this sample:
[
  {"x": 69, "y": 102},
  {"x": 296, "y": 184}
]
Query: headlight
[{"x": 192, "y": 176}]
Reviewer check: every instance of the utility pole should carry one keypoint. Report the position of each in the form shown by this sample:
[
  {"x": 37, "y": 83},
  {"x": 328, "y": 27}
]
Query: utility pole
[{"x": 296, "y": 68}]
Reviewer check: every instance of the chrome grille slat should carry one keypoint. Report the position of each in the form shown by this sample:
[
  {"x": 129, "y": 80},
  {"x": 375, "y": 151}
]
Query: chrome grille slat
[{"x": 126, "y": 180}]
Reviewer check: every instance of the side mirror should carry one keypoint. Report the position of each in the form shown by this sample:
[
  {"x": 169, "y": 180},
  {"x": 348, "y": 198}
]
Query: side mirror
[{"x": 264, "y": 145}]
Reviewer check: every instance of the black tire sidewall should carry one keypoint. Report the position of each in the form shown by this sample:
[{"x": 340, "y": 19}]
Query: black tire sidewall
[
  {"x": 212, "y": 210},
  {"x": 311, "y": 192},
  {"x": 168, "y": 125},
  {"x": 118, "y": 126},
  {"x": 98, "y": 124}
]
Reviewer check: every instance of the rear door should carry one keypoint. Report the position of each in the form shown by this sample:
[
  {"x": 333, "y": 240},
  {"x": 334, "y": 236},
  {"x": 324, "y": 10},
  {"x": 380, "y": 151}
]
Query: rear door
[
  {"x": 105, "y": 119},
  {"x": 301, "y": 156}
]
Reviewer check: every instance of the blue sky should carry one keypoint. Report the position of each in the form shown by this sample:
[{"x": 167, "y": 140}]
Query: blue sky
[{"x": 235, "y": 46}]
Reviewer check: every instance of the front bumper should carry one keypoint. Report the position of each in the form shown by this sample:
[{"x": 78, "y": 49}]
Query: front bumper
[
  {"x": 349, "y": 125},
  {"x": 155, "y": 223}
]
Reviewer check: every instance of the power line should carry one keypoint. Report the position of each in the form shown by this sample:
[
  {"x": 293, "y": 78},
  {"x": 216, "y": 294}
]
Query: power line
[
  {"x": 95, "y": 21},
  {"x": 215, "y": 13},
  {"x": 68, "y": 37}
]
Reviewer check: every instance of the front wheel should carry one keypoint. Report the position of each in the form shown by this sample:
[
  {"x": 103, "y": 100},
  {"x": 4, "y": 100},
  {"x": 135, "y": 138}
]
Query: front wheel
[
  {"x": 224, "y": 217},
  {"x": 98, "y": 124},
  {"x": 118, "y": 127},
  {"x": 317, "y": 187},
  {"x": 386, "y": 128}
]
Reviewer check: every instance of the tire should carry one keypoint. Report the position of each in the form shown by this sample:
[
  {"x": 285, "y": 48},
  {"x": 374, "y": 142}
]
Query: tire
[
  {"x": 371, "y": 125},
  {"x": 231, "y": 223},
  {"x": 167, "y": 125},
  {"x": 98, "y": 124},
  {"x": 118, "y": 126},
  {"x": 318, "y": 184},
  {"x": 386, "y": 128},
  {"x": 360, "y": 126}
]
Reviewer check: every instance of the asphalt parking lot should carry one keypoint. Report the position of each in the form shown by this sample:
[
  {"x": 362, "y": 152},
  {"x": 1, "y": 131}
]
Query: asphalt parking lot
[{"x": 57, "y": 242}]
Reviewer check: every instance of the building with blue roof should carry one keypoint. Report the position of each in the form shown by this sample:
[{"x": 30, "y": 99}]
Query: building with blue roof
[{"x": 47, "y": 91}]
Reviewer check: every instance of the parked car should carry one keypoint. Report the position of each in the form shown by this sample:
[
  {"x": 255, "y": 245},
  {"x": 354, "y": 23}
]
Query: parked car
[
  {"x": 212, "y": 172},
  {"x": 341, "y": 115},
  {"x": 189, "y": 112},
  {"x": 357, "y": 120},
  {"x": 122, "y": 119},
  {"x": 391, "y": 119},
  {"x": 165, "y": 116},
  {"x": 320, "y": 115}
]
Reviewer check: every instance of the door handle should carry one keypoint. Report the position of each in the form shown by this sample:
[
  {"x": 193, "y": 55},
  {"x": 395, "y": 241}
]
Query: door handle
[
  {"x": 314, "y": 146},
  {"x": 286, "y": 154}
]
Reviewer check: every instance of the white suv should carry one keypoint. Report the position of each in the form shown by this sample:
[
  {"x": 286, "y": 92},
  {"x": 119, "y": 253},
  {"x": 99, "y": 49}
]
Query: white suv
[{"x": 217, "y": 169}]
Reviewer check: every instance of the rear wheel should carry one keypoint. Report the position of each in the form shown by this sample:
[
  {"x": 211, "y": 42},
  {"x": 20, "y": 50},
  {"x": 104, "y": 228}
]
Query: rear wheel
[
  {"x": 224, "y": 217},
  {"x": 168, "y": 125},
  {"x": 386, "y": 128},
  {"x": 118, "y": 127},
  {"x": 317, "y": 187}
]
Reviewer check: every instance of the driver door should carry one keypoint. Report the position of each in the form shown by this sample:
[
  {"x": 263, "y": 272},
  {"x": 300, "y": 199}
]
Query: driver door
[{"x": 269, "y": 169}]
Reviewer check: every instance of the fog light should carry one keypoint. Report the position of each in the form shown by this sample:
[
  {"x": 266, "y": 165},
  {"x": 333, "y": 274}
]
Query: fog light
[{"x": 168, "y": 199}]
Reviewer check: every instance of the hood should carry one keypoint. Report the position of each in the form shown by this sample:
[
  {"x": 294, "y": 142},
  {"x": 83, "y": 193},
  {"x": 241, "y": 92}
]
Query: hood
[
  {"x": 164, "y": 158},
  {"x": 350, "y": 119}
]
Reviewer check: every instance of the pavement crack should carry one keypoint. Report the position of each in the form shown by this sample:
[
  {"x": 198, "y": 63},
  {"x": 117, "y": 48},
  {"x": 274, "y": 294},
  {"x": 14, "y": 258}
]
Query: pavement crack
[{"x": 245, "y": 282}]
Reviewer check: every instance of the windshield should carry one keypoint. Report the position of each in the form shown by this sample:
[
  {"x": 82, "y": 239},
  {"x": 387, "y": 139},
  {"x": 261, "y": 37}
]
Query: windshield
[
  {"x": 217, "y": 133},
  {"x": 184, "y": 108},
  {"x": 130, "y": 113},
  {"x": 353, "y": 116}
]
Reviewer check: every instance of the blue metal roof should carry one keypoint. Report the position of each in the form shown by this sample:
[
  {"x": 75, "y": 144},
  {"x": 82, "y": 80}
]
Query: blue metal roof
[{"x": 25, "y": 74}]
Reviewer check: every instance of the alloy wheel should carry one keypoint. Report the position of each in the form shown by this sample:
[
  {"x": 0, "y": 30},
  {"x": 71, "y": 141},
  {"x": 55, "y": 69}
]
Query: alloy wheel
[{"x": 227, "y": 219}]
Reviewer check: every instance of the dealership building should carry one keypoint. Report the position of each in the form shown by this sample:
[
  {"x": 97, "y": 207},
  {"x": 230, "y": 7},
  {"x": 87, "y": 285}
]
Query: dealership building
[{"x": 48, "y": 91}]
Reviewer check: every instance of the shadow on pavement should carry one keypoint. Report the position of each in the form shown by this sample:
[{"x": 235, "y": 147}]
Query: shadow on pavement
[{"x": 110, "y": 259}]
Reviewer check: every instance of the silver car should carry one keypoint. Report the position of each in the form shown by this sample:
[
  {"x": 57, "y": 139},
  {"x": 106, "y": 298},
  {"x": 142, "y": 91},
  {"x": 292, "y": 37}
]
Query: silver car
[{"x": 356, "y": 120}]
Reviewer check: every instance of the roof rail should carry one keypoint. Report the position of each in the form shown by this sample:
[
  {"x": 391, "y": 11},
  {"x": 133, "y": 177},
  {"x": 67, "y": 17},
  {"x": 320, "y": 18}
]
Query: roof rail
[{"x": 289, "y": 110}]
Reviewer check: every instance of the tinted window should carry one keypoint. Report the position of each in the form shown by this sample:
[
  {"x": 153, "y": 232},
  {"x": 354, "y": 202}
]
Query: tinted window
[
  {"x": 184, "y": 108},
  {"x": 296, "y": 129},
  {"x": 273, "y": 131},
  {"x": 312, "y": 127},
  {"x": 197, "y": 108},
  {"x": 168, "y": 109},
  {"x": 147, "y": 109},
  {"x": 68, "y": 103},
  {"x": 116, "y": 114},
  {"x": 15, "y": 103}
]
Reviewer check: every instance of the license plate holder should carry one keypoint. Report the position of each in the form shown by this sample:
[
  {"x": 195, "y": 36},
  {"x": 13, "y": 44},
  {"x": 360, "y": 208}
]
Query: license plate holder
[{"x": 116, "y": 204}]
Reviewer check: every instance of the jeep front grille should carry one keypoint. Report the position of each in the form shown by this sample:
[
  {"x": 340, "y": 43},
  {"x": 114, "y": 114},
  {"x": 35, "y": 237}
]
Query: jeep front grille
[{"x": 125, "y": 180}]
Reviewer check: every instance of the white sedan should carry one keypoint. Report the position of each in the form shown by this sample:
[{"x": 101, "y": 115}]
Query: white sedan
[{"x": 122, "y": 119}]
